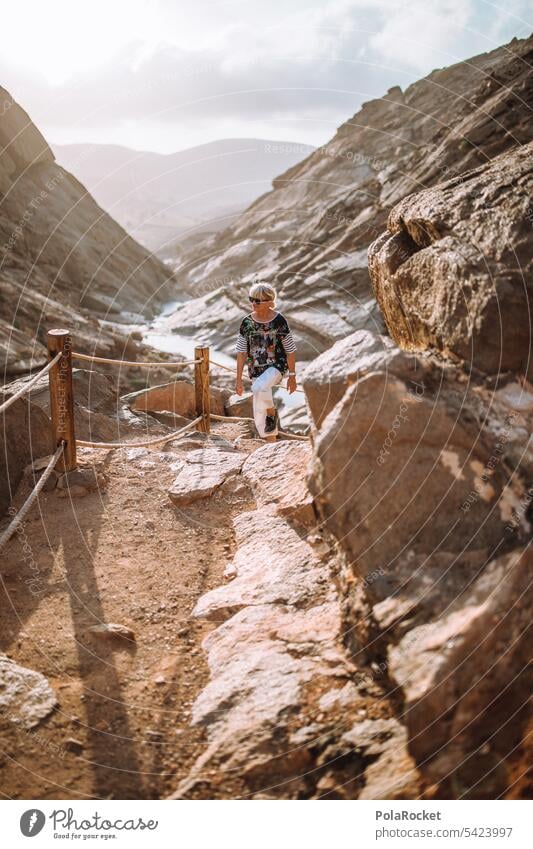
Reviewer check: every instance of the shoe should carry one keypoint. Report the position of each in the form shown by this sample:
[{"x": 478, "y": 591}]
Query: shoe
[{"x": 271, "y": 424}]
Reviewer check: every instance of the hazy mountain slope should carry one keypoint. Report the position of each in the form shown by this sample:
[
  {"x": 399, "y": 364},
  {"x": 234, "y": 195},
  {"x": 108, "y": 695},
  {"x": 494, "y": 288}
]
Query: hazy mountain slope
[
  {"x": 63, "y": 260},
  {"x": 157, "y": 196},
  {"x": 311, "y": 233}
]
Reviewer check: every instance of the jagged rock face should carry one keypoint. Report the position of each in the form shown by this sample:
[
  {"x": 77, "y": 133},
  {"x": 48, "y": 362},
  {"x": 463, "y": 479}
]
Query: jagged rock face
[
  {"x": 453, "y": 271},
  {"x": 63, "y": 260},
  {"x": 422, "y": 468},
  {"x": 201, "y": 472},
  {"x": 465, "y": 678},
  {"x": 423, "y": 477},
  {"x": 310, "y": 234},
  {"x": 282, "y": 715},
  {"x": 400, "y": 462}
]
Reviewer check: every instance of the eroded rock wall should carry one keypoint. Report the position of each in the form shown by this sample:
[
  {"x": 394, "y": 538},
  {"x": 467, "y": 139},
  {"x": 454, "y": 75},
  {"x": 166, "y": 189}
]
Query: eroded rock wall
[
  {"x": 64, "y": 262},
  {"x": 453, "y": 270},
  {"x": 423, "y": 475},
  {"x": 310, "y": 234}
]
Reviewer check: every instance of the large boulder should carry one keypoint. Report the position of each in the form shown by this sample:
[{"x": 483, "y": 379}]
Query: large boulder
[
  {"x": 400, "y": 464},
  {"x": 326, "y": 377},
  {"x": 201, "y": 472},
  {"x": 177, "y": 397},
  {"x": 276, "y": 475},
  {"x": 453, "y": 271},
  {"x": 423, "y": 478},
  {"x": 465, "y": 679}
]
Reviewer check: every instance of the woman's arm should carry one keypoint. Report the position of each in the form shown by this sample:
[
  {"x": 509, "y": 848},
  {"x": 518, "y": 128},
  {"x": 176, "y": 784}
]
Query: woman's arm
[
  {"x": 241, "y": 349},
  {"x": 241, "y": 359},
  {"x": 290, "y": 350},
  {"x": 291, "y": 362}
]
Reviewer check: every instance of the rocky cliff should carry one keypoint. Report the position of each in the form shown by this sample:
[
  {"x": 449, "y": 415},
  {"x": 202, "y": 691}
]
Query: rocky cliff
[
  {"x": 63, "y": 260},
  {"x": 423, "y": 474},
  {"x": 310, "y": 234},
  {"x": 420, "y": 472}
]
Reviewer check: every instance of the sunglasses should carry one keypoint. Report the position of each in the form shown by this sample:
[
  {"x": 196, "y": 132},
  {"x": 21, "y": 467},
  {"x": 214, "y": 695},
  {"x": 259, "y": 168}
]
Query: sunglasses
[{"x": 259, "y": 301}]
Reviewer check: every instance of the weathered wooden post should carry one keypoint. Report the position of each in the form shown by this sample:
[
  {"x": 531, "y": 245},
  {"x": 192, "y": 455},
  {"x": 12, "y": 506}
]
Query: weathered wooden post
[
  {"x": 201, "y": 388},
  {"x": 62, "y": 397}
]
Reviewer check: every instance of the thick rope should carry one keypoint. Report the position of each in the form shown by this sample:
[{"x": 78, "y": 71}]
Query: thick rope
[
  {"x": 31, "y": 383},
  {"x": 22, "y": 513},
  {"x": 145, "y": 444},
  {"x": 299, "y": 437},
  {"x": 231, "y": 418},
  {"x": 227, "y": 368},
  {"x": 89, "y": 359}
]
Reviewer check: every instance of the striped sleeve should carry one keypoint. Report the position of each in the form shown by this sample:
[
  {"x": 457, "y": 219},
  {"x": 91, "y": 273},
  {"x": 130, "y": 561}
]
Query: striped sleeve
[
  {"x": 240, "y": 346},
  {"x": 288, "y": 343}
]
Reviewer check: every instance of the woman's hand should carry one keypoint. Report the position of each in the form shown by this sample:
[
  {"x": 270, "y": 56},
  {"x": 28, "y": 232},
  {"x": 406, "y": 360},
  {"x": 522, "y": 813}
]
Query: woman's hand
[
  {"x": 239, "y": 388},
  {"x": 291, "y": 383}
]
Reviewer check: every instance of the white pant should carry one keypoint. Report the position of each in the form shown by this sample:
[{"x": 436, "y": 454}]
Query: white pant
[{"x": 262, "y": 397}]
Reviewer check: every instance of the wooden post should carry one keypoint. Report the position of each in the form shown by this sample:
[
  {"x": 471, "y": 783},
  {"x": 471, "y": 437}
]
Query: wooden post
[
  {"x": 62, "y": 397},
  {"x": 201, "y": 388}
]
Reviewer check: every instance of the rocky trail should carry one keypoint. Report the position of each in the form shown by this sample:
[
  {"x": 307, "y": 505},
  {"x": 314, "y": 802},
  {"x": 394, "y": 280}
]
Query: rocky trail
[
  {"x": 224, "y": 674},
  {"x": 122, "y": 554}
]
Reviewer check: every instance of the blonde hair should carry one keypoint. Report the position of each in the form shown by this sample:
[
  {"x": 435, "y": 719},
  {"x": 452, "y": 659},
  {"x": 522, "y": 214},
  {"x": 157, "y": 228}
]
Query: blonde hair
[{"x": 264, "y": 291}]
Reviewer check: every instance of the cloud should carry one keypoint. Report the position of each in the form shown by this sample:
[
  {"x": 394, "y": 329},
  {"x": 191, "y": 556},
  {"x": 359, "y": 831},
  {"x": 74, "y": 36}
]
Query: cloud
[
  {"x": 421, "y": 34},
  {"x": 207, "y": 67}
]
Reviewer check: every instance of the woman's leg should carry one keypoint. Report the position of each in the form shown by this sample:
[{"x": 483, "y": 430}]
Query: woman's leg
[{"x": 262, "y": 397}]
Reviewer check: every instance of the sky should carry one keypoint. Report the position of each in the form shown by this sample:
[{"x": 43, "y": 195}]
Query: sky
[{"x": 164, "y": 75}]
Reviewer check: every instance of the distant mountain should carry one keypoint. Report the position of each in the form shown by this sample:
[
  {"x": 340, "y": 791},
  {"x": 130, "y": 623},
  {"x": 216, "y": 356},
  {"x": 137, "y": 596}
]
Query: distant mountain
[{"x": 158, "y": 197}]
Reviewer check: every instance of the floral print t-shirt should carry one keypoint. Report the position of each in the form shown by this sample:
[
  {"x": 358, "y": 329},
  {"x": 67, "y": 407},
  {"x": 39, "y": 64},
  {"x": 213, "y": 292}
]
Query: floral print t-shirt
[{"x": 266, "y": 343}]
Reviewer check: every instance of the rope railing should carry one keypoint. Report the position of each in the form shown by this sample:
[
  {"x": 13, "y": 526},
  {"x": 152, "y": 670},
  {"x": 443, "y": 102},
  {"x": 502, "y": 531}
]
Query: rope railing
[
  {"x": 26, "y": 507},
  {"x": 59, "y": 369},
  {"x": 30, "y": 384},
  {"x": 227, "y": 368},
  {"x": 168, "y": 437},
  {"x": 77, "y": 356}
]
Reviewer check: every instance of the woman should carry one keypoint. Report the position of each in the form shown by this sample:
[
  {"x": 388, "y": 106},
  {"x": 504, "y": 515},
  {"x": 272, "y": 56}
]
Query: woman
[{"x": 265, "y": 342}]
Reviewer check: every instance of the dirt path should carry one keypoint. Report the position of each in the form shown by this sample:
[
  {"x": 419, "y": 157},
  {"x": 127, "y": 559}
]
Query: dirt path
[{"x": 126, "y": 555}]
